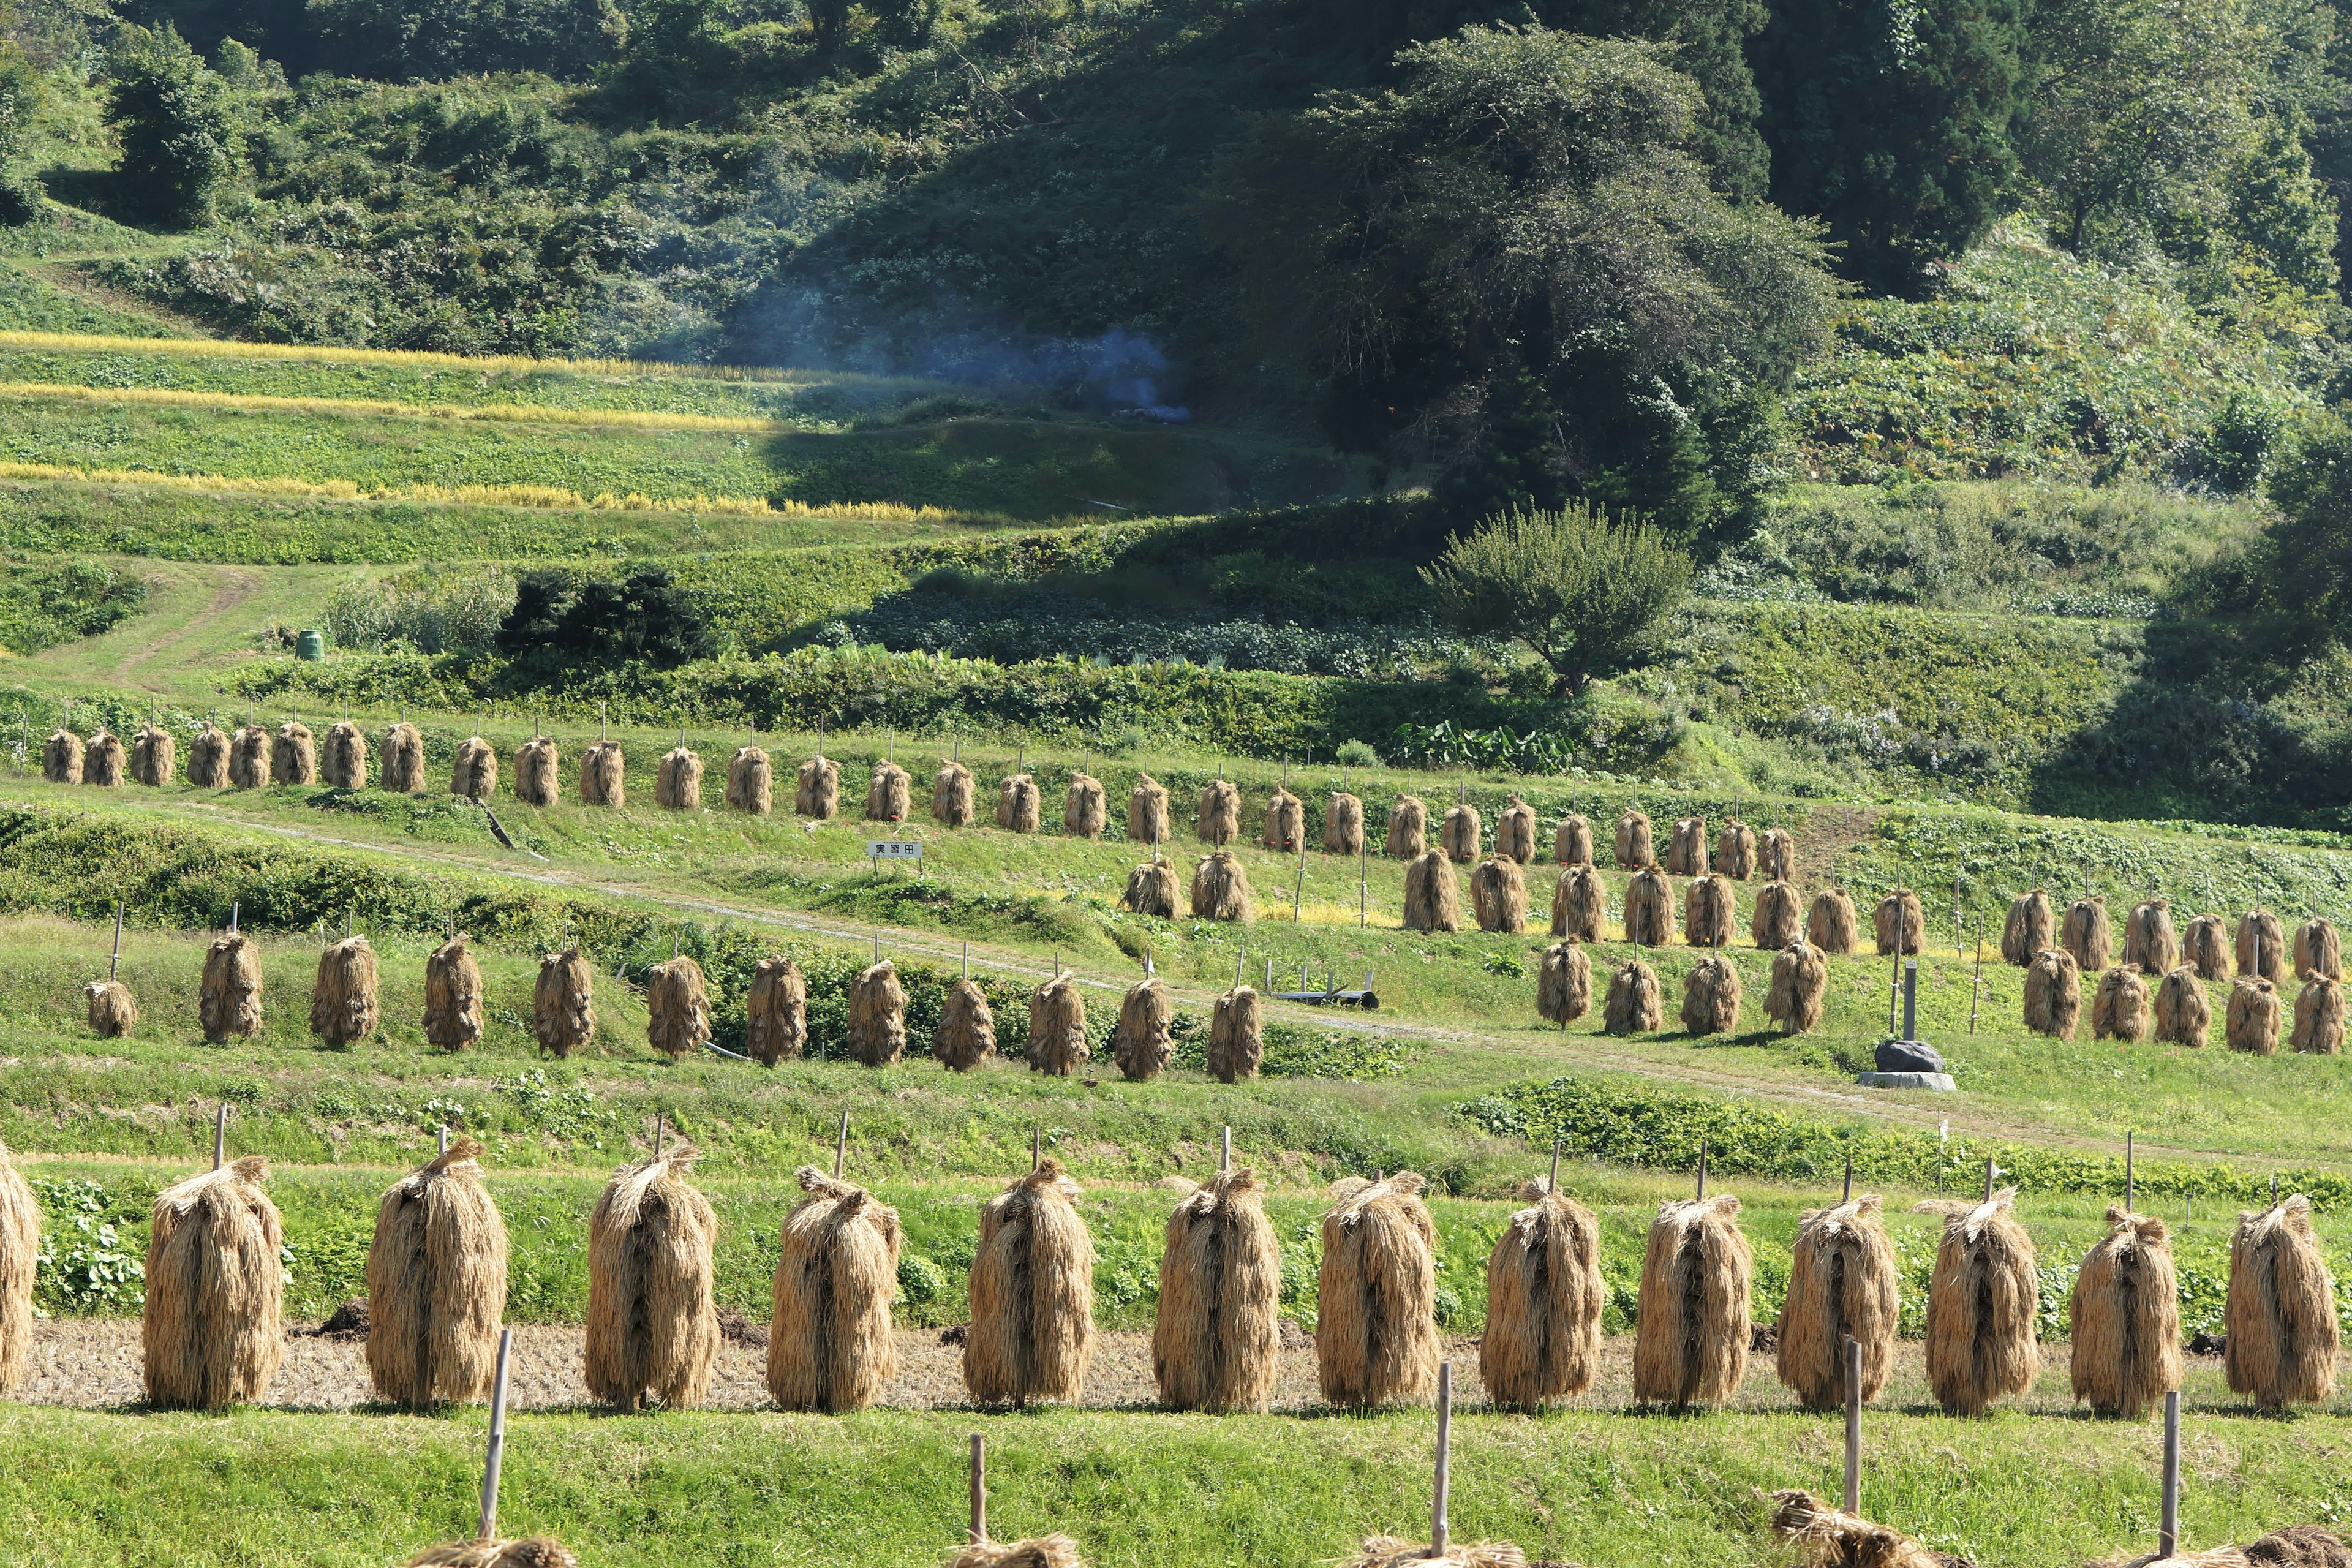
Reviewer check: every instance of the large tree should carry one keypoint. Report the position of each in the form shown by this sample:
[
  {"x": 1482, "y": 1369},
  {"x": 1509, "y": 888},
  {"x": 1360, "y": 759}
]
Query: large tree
[{"x": 173, "y": 119}]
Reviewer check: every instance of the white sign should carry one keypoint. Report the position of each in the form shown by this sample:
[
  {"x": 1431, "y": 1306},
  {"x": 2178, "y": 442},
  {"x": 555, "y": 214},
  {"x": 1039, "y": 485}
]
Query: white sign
[{"x": 893, "y": 848}]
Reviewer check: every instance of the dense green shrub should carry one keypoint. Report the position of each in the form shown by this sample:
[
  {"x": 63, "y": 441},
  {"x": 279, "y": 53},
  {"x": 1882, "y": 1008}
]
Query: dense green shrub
[{"x": 171, "y": 116}]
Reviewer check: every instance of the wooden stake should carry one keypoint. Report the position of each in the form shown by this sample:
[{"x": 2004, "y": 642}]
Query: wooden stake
[
  {"x": 220, "y": 1137},
  {"x": 1298, "y": 893},
  {"x": 1976, "y": 993},
  {"x": 661, "y": 1125},
  {"x": 1702, "y": 1173},
  {"x": 1851, "y": 1351},
  {"x": 2127, "y": 1173},
  {"x": 1364, "y": 882},
  {"x": 1439, "y": 1531},
  {"x": 497, "y": 1446},
  {"x": 979, "y": 1488},
  {"x": 115, "y": 964},
  {"x": 444, "y": 1137},
  {"x": 1989, "y": 1174},
  {"x": 1036, "y": 1148},
  {"x": 967, "y": 961},
  {"x": 234, "y": 906},
  {"x": 2168, "y": 1532},
  {"x": 1848, "y": 1178},
  {"x": 1226, "y": 1160},
  {"x": 1551, "y": 1182},
  {"x": 841, "y": 1146}
]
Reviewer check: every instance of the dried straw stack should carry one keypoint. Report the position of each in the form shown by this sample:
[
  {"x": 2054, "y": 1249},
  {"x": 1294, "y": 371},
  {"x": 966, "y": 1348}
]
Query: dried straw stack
[
  {"x": 1376, "y": 1327},
  {"x": 1236, "y": 1035},
  {"x": 109, "y": 1008},
  {"x": 2255, "y": 1011},
  {"x": 677, "y": 779},
  {"x": 1498, "y": 895},
  {"x": 1085, "y": 807},
  {"x": 345, "y": 764},
  {"x": 967, "y": 1033},
  {"x": 1141, "y": 1042},
  {"x": 1432, "y": 899},
  {"x": 229, "y": 1000},
  {"x": 105, "y": 764},
  {"x": 2206, "y": 944},
  {"x": 1636, "y": 1005},
  {"x": 816, "y": 789},
  {"x": 1710, "y": 914},
  {"x": 678, "y": 1007},
  {"x": 1057, "y": 1026},
  {"x": 1515, "y": 831},
  {"x": 1285, "y": 822},
  {"x": 1214, "y": 1343},
  {"x": 2125, "y": 1316},
  {"x": 1218, "y": 819},
  {"x": 562, "y": 1003},
  {"x": 1776, "y": 855},
  {"x": 1981, "y": 1300},
  {"x": 1018, "y": 804},
  {"x": 1799, "y": 988},
  {"x": 1686, "y": 847},
  {"x": 1650, "y": 909},
  {"x": 1462, "y": 832},
  {"x": 955, "y": 795},
  {"x": 830, "y": 1348},
  {"x": 2149, "y": 940},
  {"x": 294, "y": 754},
  {"x": 2054, "y": 994},
  {"x": 777, "y": 1009},
  {"x": 1900, "y": 924},
  {"x": 154, "y": 756},
  {"x": 1408, "y": 837},
  {"x": 1146, "y": 811},
  {"x": 1841, "y": 1282},
  {"x": 2262, "y": 947},
  {"x": 2121, "y": 1008},
  {"x": 2032, "y": 925},
  {"x": 1032, "y": 1294},
  {"x": 1343, "y": 825},
  {"x": 890, "y": 794},
  {"x": 1711, "y": 996},
  {"x": 1778, "y": 918},
  {"x": 1825, "y": 1538},
  {"x": 344, "y": 1008},
  {"x": 436, "y": 1280},
  {"x": 2182, "y": 1014},
  {"x": 2319, "y": 950},
  {"x": 652, "y": 1326},
  {"x": 248, "y": 758},
  {"x": 2083, "y": 935},
  {"x": 20, "y": 1247},
  {"x": 532, "y": 1551},
  {"x": 877, "y": 1015},
  {"x": 475, "y": 774},
  {"x": 403, "y": 758},
  {"x": 1691, "y": 1345},
  {"x": 453, "y": 995},
  {"x": 1544, "y": 1299},
  {"x": 1564, "y": 983},
  {"x": 1735, "y": 851},
  {"x": 61, "y": 757},
  {"x": 2280, "y": 1315},
  {"x": 1831, "y": 924},
  {"x": 2319, "y": 1018},
  {"x": 750, "y": 782},
  {"x": 1633, "y": 844},
  {"x": 1580, "y": 904},
  {"x": 1391, "y": 1552},
  {"x": 1221, "y": 889},
  {"x": 1571, "y": 845},
  {"x": 604, "y": 775},
  {"x": 215, "y": 1329},
  {"x": 1151, "y": 889},
  {"x": 208, "y": 758}
]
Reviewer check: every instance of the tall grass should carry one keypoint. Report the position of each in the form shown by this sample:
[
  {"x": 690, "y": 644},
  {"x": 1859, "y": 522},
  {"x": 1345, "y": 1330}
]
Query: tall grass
[{"x": 511, "y": 413}]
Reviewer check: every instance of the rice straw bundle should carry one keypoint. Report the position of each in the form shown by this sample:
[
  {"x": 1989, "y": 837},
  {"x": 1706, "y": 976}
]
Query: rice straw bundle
[
  {"x": 677, "y": 779},
  {"x": 967, "y": 1032},
  {"x": 1778, "y": 918},
  {"x": 954, "y": 798},
  {"x": 1636, "y": 1006},
  {"x": 1564, "y": 983},
  {"x": 343, "y": 997},
  {"x": 1032, "y": 1294},
  {"x": 1515, "y": 831},
  {"x": 20, "y": 1247},
  {"x": 229, "y": 1000},
  {"x": 1571, "y": 845},
  {"x": 777, "y": 1009},
  {"x": 1830, "y": 925},
  {"x": 816, "y": 789},
  {"x": 61, "y": 758},
  {"x": 1710, "y": 916},
  {"x": 1544, "y": 1299},
  {"x": 2280, "y": 1316},
  {"x": 1650, "y": 909},
  {"x": 1221, "y": 889},
  {"x": 1214, "y": 1344},
  {"x": 537, "y": 783},
  {"x": 562, "y": 1003},
  {"x": 2054, "y": 994},
  {"x": 1580, "y": 904},
  {"x": 532, "y": 1551},
  {"x": 1044, "y": 1552},
  {"x": 2253, "y": 1024},
  {"x": 1982, "y": 1301},
  {"x": 2206, "y": 944},
  {"x": 2319, "y": 950},
  {"x": 2121, "y": 1008},
  {"x": 453, "y": 995},
  {"x": 1776, "y": 855},
  {"x": 2319, "y": 1018},
  {"x": 2125, "y": 1317},
  {"x": 1735, "y": 851},
  {"x": 1711, "y": 996},
  {"x": 1686, "y": 847},
  {"x": 436, "y": 1282},
  {"x": 154, "y": 756},
  {"x": 830, "y": 1348},
  {"x": 1462, "y": 832},
  {"x": 2032, "y": 925},
  {"x": 403, "y": 758},
  {"x": 1376, "y": 1295},
  {"x": 1236, "y": 1035},
  {"x": 213, "y": 1331},
  {"x": 1825, "y": 1538},
  {"x": 2149, "y": 940},
  {"x": 345, "y": 764},
  {"x": 1408, "y": 837},
  {"x": 1151, "y": 889},
  {"x": 1900, "y": 925},
  {"x": 652, "y": 1328},
  {"x": 2182, "y": 1014},
  {"x": 750, "y": 782},
  {"x": 1432, "y": 899},
  {"x": 1691, "y": 1345},
  {"x": 604, "y": 775},
  {"x": 1285, "y": 822},
  {"x": 1146, "y": 811},
  {"x": 1018, "y": 804},
  {"x": 248, "y": 758},
  {"x": 110, "y": 1010},
  {"x": 678, "y": 1007},
  {"x": 1389, "y": 1551},
  {"x": 890, "y": 794},
  {"x": 475, "y": 774},
  {"x": 1141, "y": 1044},
  {"x": 1219, "y": 818},
  {"x": 2262, "y": 947},
  {"x": 1343, "y": 825},
  {"x": 105, "y": 762},
  {"x": 1498, "y": 895},
  {"x": 208, "y": 758},
  {"x": 293, "y": 754},
  {"x": 1841, "y": 1282},
  {"x": 1058, "y": 1027},
  {"x": 2083, "y": 935},
  {"x": 1085, "y": 807},
  {"x": 877, "y": 1015},
  {"x": 1799, "y": 989}
]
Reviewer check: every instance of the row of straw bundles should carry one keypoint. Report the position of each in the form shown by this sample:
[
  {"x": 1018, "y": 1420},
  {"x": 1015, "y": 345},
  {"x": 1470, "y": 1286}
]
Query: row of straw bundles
[{"x": 2177, "y": 1011}]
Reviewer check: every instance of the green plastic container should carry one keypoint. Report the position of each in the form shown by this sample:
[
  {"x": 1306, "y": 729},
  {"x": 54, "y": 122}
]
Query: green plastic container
[{"x": 311, "y": 646}]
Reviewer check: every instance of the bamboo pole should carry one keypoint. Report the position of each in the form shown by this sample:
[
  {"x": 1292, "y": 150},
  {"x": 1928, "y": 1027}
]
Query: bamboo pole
[
  {"x": 841, "y": 1146},
  {"x": 220, "y": 1138},
  {"x": 115, "y": 964},
  {"x": 1852, "y": 1352},
  {"x": 2168, "y": 1533},
  {"x": 498, "y": 1446},
  {"x": 1439, "y": 1530}
]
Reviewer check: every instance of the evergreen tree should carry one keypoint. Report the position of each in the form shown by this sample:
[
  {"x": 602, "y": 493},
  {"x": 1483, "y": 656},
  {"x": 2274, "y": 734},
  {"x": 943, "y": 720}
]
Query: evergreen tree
[{"x": 176, "y": 125}]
